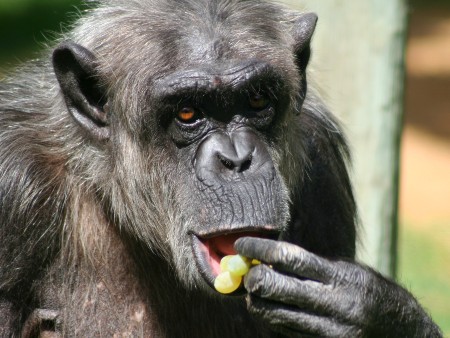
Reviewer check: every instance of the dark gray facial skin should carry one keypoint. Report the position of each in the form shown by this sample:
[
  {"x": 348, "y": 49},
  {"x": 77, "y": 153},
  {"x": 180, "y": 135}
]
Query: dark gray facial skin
[{"x": 158, "y": 136}]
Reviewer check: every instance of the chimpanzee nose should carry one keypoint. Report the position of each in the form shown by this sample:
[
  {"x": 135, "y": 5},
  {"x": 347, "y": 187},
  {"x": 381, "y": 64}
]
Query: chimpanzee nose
[{"x": 231, "y": 156}]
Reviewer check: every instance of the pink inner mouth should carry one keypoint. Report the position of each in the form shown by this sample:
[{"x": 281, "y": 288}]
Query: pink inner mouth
[{"x": 215, "y": 248}]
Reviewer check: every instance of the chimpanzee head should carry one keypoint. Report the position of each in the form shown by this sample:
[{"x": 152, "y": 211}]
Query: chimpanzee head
[{"x": 185, "y": 122}]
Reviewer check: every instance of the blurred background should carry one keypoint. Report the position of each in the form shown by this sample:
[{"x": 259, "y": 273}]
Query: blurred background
[
  {"x": 424, "y": 201},
  {"x": 424, "y": 261}
]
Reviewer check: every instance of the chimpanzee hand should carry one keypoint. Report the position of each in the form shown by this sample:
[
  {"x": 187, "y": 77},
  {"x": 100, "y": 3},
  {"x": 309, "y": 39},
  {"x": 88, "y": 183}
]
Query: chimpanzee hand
[{"x": 302, "y": 294}]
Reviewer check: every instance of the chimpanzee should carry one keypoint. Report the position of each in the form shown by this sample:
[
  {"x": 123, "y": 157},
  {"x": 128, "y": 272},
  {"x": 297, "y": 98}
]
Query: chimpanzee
[{"x": 158, "y": 136}]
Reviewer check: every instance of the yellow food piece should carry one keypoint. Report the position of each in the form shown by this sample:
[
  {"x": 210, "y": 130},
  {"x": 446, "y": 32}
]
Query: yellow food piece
[
  {"x": 233, "y": 268},
  {"x": 238, "y": 265},
  {"x": 224, "y": 262},
  {"x": 226, "y": 282}
]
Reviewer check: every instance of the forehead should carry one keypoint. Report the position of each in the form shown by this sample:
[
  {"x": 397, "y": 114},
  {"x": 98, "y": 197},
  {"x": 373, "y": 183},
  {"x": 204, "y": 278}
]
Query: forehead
[
  {"x": 144, "y": 41},
  {"x": 239, "y": 30}
]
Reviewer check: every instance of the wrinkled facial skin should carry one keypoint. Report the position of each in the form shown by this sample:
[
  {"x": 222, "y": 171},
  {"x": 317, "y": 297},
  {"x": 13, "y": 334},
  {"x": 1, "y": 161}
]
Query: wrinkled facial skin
[{"x": 222, "y": 126}]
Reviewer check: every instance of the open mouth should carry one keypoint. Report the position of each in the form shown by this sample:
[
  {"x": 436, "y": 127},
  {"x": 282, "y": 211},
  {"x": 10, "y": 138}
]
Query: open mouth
[{"x": 209, "y": 249}]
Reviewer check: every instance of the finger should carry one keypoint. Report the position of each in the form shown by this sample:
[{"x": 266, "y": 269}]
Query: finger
[
  {"x": 272, "y": 285},
  {"x": 312, "y": 296},
  {"x": 291, "y": 319},
  {"x": 287, "y": 257}
]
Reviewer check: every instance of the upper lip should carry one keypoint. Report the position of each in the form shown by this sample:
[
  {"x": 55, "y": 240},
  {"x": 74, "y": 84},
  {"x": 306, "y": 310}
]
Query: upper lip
[{"x": 208, "y": 250}]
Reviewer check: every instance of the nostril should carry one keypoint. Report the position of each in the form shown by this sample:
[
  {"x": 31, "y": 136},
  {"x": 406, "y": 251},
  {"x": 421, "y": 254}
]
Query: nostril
[
  {"x": 246, "y": 164},
  {"x": 227, "y": 163},
  {"x": 237, "y": 165}
]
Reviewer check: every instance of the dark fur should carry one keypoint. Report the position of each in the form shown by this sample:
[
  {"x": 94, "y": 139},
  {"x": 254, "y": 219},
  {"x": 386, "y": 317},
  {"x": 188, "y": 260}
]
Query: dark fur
[{"x": 91, "y": 228}]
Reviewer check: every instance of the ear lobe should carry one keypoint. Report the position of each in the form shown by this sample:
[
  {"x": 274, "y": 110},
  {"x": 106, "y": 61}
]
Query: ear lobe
[
  {"x": 303, "y": 30},
  {"x": 75, "y": 70}
]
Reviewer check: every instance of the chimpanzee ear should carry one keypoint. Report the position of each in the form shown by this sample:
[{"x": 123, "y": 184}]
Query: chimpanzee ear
[
  {"x": 302, "y": 32},
  {"x": 75, "y": 69}
]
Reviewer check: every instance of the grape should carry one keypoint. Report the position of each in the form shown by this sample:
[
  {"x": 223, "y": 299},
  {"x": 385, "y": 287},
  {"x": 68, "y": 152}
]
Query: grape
[
  {"x": 224, "y": 262},
  {"x": 238, "y": 265},
  {"x": 233, "y": 268},
  {"x": 226, "y": 282}
]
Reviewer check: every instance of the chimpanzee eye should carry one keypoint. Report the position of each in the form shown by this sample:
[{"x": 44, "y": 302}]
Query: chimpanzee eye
[
  {"x": 188, "y": 115},
  {"x": 258, "y": 101}
]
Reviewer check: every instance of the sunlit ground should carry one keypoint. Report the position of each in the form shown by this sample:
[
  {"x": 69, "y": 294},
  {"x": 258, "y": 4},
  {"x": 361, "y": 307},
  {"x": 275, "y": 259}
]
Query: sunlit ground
[{"x": 424, "y": 255}]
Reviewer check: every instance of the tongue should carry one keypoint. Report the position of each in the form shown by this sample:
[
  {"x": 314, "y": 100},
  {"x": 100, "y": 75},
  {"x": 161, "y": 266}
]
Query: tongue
[{"x": 224, "y": 245}]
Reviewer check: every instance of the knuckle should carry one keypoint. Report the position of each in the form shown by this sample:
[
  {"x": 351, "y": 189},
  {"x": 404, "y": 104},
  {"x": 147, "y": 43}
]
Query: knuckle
[
  {"x": 259, "y": 280},
  {"x": 288, "y": 253}
]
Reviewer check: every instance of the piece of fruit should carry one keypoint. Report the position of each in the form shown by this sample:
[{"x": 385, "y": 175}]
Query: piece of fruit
[
  {"x": 233, "y": 268},
  {"x": 238, "y": 265},
  {"x": 224, "y": 263},
  {"x": 226, "y": 282}
]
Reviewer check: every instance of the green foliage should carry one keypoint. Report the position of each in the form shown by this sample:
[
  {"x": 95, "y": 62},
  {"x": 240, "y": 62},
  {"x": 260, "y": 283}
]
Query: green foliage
[
  {"x": 21, "y": 5},
  {"x": 25, "y": 24}
]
